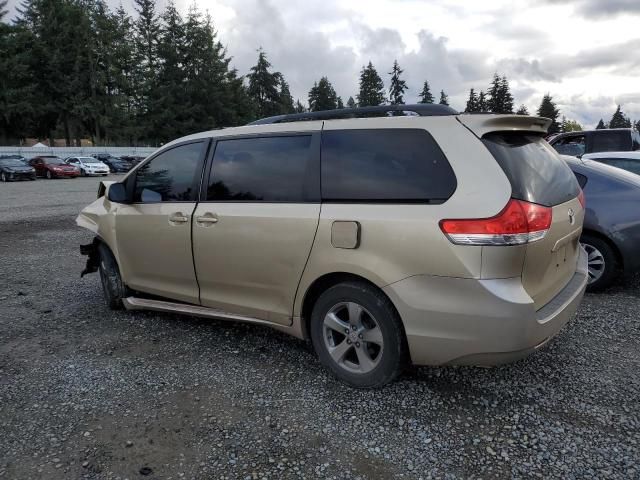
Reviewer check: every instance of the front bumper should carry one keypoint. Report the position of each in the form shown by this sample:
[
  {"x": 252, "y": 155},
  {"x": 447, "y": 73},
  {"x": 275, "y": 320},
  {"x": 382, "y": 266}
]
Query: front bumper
[
  {"x": 461, "y": 321},
  {"x": 12, "y": 176},
  {"x": 64, "y": 173}
]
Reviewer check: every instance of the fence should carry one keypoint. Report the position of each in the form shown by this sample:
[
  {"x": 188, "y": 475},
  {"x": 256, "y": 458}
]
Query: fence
[{"x": 63, "y": 152}]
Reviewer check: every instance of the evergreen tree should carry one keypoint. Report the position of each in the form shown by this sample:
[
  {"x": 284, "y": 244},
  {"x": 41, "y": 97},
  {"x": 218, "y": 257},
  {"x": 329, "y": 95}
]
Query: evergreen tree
[
  {"x": 500, "y": 99},
  {"x": 17, "y": 82},
  {"x": 472, "y": 102},
  {"x": 299, "y": 107},
  {"x": 601, "y": 125},
  {"x": 522, "y": 110},
  {"x": 425, "y": 94},
  {"x": 169, "y": 100},
  {"x": 549, "y": 110},
  {"x": 444, "y": 98},
  {"x": 371, "y": 87},
  {"x": 340, "y": 103},
  {"x": 322, "y": 96},
  {"x": 286, "y": 100},
  {"x": 351, "y": 103},
  {"x": 637, "y": 125},
  {"x": 619, "y": 120},
  {"x": 263, "y": 87},
  {"x": 397, "y": 86},
  {"x": 483, "y": 105},
  {"x": 505, "y": 96},
  {"x": 147, "y": 30}
]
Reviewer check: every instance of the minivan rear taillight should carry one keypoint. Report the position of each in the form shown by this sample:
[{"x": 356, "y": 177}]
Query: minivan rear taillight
[{"x": 518, "y": 223}]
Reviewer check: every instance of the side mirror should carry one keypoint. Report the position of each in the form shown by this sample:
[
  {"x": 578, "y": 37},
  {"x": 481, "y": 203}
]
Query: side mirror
[{"x": 117, "y": 193}]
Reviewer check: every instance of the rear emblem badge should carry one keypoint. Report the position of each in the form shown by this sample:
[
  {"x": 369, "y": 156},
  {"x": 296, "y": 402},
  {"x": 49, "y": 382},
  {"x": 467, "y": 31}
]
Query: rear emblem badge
[{"x": 572, "y": 216}]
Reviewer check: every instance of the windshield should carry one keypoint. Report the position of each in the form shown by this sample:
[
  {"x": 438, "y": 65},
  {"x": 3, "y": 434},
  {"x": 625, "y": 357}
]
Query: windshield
[
  {"x": 53, "y": 161},
  {"x": 10, "y": 162}
]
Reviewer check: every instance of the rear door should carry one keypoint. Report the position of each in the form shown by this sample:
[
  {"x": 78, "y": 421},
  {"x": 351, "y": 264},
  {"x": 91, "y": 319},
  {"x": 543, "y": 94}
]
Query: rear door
[
  {"x": 254, "y": 228},
  {"x": 538, "y": 175}
]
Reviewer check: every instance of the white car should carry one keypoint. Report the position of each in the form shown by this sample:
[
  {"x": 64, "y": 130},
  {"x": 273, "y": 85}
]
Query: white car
[
  {"x": 629, "y": 161},
  {"x": 88, "y": 166}
]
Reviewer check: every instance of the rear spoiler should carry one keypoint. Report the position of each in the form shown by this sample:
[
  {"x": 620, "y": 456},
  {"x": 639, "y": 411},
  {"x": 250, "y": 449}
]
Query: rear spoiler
[{"x": 486, "y": 123}]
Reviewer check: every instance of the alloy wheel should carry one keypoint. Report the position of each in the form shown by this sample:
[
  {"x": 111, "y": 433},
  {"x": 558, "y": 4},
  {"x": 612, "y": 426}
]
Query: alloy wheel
[
  {"x": 353, "y": 337},
  {"x": 596, "y": 263},
  {"x": 49, "y": 176},
  {"x": 3, "y": 177}
]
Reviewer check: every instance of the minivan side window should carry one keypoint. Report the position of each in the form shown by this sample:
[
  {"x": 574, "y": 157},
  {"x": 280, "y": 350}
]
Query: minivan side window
[
  {"x": 384, "y": 165},
  {"x": 260, "y": 169},
  {"x": 170, "y": 176}
]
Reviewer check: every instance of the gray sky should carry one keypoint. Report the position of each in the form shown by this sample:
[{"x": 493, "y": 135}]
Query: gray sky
[{"x": 585, "y": 53}]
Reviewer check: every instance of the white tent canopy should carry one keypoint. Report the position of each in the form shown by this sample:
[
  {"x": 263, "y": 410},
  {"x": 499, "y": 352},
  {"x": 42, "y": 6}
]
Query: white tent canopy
[{"x": 39, "y": 145}]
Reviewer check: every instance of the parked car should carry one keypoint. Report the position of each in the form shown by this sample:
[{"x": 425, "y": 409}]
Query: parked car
[
  {"x": 611, "y": 232},
  {"x": 51, "y": 166},
  {"x": 577, "y": 144},
  {"x": 20, "y": 158},
  {"x": 380, "y": 247},
  {"x": 88, "y": 166},
  {"x": 629, "y": 161},
  {"x": 116, "y": 165},
  {"x": 14, "y": 169},
  {"x": 132, "y": 159}
]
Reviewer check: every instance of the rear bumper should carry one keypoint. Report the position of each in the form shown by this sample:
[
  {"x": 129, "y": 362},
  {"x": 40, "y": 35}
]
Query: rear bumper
[{"x": 480, "y": 322}]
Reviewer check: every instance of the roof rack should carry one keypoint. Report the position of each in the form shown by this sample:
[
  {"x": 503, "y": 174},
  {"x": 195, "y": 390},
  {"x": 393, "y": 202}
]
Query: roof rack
[{"x": 422, "y": 110}]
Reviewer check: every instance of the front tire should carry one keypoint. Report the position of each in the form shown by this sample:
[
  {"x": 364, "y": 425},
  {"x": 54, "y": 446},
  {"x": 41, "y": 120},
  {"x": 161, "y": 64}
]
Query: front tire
[
  {"x": 3, "y": 176},
  {"x": 48, "y": 175},
  {"x": 602, "y": 263},
  {"x": 358, "y": 335},
  {"x": 112, "y": 286}
]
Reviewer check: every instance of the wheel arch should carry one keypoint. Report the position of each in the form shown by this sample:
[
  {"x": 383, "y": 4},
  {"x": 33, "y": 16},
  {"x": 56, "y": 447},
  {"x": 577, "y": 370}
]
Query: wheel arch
[
  {"x": 608, "y": 241},
  {"x": 322, "y": 284}
]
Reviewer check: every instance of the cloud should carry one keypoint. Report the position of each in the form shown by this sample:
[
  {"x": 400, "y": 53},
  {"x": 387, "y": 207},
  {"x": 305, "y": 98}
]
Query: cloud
[{"x": 602, "y": 8}]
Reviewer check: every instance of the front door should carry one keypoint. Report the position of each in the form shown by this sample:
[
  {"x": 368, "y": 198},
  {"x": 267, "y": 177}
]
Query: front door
[
  {"x": 154, "y": 232},
  {"x": 254, "y": 230}
]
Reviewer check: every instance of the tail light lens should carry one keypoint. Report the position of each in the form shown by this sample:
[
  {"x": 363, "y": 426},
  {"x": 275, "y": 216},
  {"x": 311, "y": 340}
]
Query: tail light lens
[
  {"x": 583, "y": 202},
  {"x": 518, "y": 223}
]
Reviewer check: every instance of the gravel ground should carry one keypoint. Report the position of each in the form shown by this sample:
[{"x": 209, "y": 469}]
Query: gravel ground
[{"x": 90, "y": 393}]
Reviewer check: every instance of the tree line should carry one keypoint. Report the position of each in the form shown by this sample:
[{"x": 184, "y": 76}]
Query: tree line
[{"x": 74, "y": 69}]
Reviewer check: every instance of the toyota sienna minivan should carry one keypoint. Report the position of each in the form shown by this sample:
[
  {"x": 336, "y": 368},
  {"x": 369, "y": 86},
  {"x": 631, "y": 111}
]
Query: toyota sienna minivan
[{"x": 385, "y": 235}]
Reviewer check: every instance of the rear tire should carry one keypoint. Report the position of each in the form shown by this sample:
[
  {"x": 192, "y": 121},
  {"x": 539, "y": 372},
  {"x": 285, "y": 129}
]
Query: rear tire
[
  {"x": 3, "y": 176},
  {"x": 112, "y": 286},
  {"x": 358, "y": 335},
  {"x": 603, "y": 263}
]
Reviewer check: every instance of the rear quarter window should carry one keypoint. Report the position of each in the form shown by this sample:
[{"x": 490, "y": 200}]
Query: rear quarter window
[
  {"x": 536, "y": 172},
  {"x": 384, "y": 165}
]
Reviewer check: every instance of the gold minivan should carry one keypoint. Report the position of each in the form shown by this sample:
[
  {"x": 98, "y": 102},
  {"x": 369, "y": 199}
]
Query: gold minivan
[{"x": 385, "y": 235}]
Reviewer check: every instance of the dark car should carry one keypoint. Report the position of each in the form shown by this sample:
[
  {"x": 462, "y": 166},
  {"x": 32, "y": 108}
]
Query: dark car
[
  {"x": 115, "y": 164},
  {"x": 577, "y": 144},
  {"x": 629, "y": 161},
  {"x": 50, "y": 166},
  {"x": 132, "y": 159},
  {"x": 12, "y": 168},
  {"x": 611, "y": 232}
]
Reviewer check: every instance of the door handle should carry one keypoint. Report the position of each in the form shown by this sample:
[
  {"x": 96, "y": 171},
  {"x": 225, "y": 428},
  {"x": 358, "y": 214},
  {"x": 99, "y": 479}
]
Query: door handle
[
  {"x": 207, "y": 219},
  {"x": 178, "y": 217}
]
